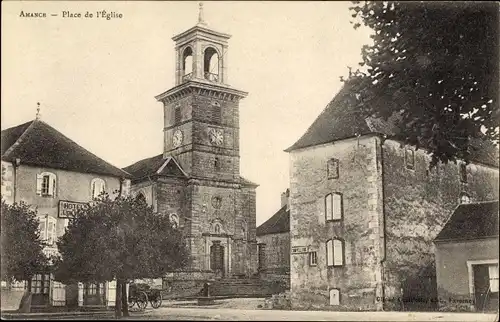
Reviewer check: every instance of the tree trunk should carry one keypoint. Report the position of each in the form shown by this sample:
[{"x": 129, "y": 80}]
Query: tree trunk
[
  {"x": 124, "y": 299},
  {"x": 118, "y": 300}
]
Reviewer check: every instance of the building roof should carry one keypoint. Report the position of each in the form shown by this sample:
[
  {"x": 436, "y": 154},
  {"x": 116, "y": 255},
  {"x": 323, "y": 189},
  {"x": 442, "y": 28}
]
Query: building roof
[
  {"x": 37, "y": 143},
  {"x": 278, "y": 223},
  {"x": 168, "y": 166},
  {"x": 341, "y": 119},
  {"x": 156, "y": 165},
  {"x": 471, "y": 221}
]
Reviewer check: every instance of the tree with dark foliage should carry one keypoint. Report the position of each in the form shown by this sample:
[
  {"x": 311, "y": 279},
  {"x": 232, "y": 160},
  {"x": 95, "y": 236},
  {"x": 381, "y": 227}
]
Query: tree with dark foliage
[
  {"x": 21, "y": 249},
  {"x": 122, "y": 239},
  {"x": 435, "y": 66}
]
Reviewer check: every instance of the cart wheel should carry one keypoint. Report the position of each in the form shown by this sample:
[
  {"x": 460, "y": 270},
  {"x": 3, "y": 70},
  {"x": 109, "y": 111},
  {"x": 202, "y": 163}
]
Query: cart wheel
[
  {"x": 142, "y": 300},
  {"x": 156, "y": 302},
  {"x": 131, "y": 303}
]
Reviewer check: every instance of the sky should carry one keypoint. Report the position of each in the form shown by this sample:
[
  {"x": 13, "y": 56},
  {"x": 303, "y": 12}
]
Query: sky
[{"x": 96, "y": 78}]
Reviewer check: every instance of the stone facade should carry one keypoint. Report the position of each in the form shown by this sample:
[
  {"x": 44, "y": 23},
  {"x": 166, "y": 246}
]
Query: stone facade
[
  {"x": 273, "y": 238},
  {"x": 390, "y": 215},
  {"x": 215, "y": 206}
]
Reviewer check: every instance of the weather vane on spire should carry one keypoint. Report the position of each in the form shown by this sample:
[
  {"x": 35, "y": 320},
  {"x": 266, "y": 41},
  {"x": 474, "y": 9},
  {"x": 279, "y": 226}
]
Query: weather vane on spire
[
  {"x": 38, "y": 111},
  {"x": 201, "y": 20}
]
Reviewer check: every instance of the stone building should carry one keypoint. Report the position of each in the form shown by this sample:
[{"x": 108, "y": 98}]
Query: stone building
[
  {"x": 196, "y": 179},
  {"x": 47, "y": 170},
  {"x": 273, "y": 238},
  {"x": 367, "y": 208},
  {"x": 467, "y": 259}
]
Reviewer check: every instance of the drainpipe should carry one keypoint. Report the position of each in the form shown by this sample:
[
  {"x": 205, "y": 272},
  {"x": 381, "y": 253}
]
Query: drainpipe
[
  {"x": 16, "y": 164},
  {"x": 383, "y": 260}
]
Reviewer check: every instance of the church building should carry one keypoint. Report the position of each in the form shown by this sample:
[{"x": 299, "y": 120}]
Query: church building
[{"x": 196, "y": 179}]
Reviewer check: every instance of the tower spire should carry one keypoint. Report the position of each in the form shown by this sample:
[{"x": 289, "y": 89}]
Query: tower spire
[
  {"x": 201, "y": 19},
  {"x": 38, "y": 111}
]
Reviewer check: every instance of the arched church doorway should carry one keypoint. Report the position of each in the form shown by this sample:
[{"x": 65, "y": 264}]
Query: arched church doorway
[{"x": 217, "y": 258}]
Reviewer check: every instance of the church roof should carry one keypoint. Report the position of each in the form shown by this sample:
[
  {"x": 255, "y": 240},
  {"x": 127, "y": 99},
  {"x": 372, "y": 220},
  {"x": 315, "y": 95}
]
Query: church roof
[
  {"x": 37, "y": 143},
  {"x": 169, "y": 167},
  {"x": 278, "y": 223},
  {"x": 341, "y": 119},
  {"x": 156, "y": 165},
  {"x": 471, "y": 221}
]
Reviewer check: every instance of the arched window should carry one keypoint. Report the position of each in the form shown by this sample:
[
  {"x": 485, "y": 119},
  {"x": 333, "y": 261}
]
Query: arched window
[
  {"x": 46, "y": 184},
  {"x": 141, "y": 197},
  {"x": 464, "y": 198},
  {"x": 175, "y": 220},
  {"x": 217, "y": 228},
  {"x": 187, "y": 64},
  {"x": 97, "y": 187},
  {"x": 211, "y": 64}
]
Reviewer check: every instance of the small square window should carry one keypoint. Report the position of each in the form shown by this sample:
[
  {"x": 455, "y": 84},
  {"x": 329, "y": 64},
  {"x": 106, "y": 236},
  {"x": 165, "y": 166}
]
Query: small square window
[
  {"x": 313, "y": 258},
  {"x": 463, "y": 172},
  {"x": 409, "y": 159},
  {"x": 332, "y": 169}
]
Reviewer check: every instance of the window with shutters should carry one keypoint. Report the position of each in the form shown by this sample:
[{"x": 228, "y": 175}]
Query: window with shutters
[
  {"x": 333, "y": 207},
  {"x": 46, "y": 184},
  {"x": 97, "y": 186},
  {"x": 48, "y": 229},
  {"x": 493, "y": 275},
  {"x": 42, "y": 227},
  {"x": 335, "y": 252}
]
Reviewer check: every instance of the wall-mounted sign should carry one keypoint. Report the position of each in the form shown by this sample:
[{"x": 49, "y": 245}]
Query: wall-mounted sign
[
  {"x": 67, "y": 209},
  {"x": 299, "y": 249}
]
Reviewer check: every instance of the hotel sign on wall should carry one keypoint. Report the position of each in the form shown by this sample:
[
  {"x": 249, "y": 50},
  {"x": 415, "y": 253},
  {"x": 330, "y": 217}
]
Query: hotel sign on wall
[{"x": 67, "y": 209}]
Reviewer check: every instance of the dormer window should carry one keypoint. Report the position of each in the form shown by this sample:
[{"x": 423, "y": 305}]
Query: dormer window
[
  {"x": 97, "y": 187},
  {"x": 46, "y": 184}
]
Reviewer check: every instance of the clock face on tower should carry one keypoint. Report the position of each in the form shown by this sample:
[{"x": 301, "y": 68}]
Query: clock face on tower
[
  {"x": 177, "y": 139},
  {"x": 216, "y": 136}
]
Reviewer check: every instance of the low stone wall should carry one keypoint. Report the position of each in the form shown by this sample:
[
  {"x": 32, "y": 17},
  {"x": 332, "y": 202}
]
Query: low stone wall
[{"x": 283, "y": 278}]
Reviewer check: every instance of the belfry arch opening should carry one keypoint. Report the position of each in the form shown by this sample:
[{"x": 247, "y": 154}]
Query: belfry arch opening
[
  {"x": 211, "y": 64},
  {"x": 187, "y": 63}
]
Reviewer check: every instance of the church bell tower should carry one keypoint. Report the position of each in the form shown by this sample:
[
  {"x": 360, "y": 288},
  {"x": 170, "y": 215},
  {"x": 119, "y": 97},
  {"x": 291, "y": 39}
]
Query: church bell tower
[{"x": 201, "y": 133}]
